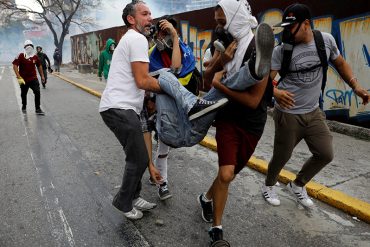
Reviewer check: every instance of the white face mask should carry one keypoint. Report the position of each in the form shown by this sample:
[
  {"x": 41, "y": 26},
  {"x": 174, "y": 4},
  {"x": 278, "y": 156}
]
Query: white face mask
[
  {"x": 29, "y": 50},
  {"x": 112, "y": 47}
]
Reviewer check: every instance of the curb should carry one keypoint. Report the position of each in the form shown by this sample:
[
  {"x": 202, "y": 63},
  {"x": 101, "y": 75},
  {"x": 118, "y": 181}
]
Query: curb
[
  {"x": 335, "y": 198},
  {"x": 89, "y": 90}
]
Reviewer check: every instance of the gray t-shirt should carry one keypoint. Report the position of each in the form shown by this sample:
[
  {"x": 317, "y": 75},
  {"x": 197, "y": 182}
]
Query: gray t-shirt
[{"x": 306, "y": 87}]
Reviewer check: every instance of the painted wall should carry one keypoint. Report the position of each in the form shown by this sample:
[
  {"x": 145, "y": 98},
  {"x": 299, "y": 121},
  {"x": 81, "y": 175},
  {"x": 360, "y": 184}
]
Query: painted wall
[{"x": 350, "y": 28}]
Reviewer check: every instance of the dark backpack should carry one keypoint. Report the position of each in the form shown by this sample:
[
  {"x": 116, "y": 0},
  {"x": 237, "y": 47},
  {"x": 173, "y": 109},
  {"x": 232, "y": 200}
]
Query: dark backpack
[{"x": 320, "y": 46}]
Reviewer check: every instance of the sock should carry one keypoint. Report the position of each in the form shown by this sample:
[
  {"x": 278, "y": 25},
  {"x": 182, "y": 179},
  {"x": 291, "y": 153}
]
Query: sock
[
  {"x": 219, "y": 227},
  {"x": 204, "y": 198}
]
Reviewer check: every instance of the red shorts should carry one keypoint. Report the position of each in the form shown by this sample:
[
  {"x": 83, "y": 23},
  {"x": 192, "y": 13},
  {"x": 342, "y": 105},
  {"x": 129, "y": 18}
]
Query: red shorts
[{"x": 235, "y": 146}]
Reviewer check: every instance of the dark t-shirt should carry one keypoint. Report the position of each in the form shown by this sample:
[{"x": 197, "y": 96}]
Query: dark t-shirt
[
  {"x": 27, "y": 68},
  {"x": 251, "y": 120}
]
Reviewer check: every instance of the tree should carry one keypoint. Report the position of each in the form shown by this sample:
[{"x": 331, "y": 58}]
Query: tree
[{"x": 58, "y": 15}]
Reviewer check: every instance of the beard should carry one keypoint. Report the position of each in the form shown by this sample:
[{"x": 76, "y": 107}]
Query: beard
[{"x": 144, "y": 30}]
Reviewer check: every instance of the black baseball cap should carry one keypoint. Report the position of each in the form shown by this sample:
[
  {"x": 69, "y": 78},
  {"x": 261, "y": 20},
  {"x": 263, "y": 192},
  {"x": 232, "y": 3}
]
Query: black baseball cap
[{"x": 295, "y": 13}]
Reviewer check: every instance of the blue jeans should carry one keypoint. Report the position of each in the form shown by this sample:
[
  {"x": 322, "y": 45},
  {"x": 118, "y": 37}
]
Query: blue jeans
[{"x": 173, "y": 125}]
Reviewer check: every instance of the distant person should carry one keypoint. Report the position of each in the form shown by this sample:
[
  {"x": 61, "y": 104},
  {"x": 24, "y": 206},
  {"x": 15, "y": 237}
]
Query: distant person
[
  {"x": 43, "y": 59},
  {"x": 57, "y": 60},
  {"x": 24, "y": 68},
  {"x": 297, "y": 114},
  {"x": 105, "y": 59}
]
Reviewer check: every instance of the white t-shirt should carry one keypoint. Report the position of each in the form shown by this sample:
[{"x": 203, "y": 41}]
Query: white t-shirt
[
  {"x": 121, "y": 91},
  {"x": 306, "y": 87}
]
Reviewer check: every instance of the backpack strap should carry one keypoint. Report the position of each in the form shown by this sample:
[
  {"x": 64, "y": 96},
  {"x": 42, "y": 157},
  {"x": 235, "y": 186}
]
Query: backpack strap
[{"x": 320, "y": 46}]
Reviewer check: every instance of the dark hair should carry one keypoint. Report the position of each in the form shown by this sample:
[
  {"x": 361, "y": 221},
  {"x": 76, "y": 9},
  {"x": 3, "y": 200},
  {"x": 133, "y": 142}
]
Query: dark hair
[
  {"x": 38, "y": 47},
  {"x": 130, "y": 9},
  {"x": 168, "y": 18}
]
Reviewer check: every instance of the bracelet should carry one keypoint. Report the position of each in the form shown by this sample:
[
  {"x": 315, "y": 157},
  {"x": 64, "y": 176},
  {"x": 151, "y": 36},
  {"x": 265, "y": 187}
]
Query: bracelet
[{"x": 350, "y": 82}]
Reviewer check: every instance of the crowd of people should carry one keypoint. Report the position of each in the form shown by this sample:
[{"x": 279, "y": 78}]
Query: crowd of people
[{"x": 151, "y": 68}]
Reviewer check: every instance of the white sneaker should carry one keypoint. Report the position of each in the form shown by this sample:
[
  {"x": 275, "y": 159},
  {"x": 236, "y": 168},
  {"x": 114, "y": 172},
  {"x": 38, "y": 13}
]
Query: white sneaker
[
  {"x": 134, "y": 214},
  {"x": 301, "y": 194},
  {"x": 143, "y": 205},
  {"x": 269, "y": 193}
]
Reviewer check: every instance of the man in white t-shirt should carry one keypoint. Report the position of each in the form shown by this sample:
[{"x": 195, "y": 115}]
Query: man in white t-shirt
[
  {"x": 122, "y": 101},
  {"x": 297, "y": 114}
]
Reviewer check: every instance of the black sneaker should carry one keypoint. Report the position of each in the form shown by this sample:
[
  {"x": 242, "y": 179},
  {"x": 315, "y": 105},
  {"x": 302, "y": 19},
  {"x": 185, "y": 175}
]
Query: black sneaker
[
  {"x": 265, "y": 41},
  {"x": 163, "y": 192},
  {"x": 43, "y": 85},
  {"x": 217, "y": 238},
  {"x": 40, "y": 112},
  {"x": 202, "y": 107},
  {"x": 24, "y": 109},
  {"x": 207, "y": 209}
]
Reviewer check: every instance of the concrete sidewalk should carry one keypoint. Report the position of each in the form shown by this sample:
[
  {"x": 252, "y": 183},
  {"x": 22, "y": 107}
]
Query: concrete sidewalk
[{"x": 344, "y": 183}]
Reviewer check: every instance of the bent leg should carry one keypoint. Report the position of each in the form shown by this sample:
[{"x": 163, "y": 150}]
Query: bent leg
[
  {"x": 319, "y": 141},
  {"x": 288, "y": 133}
]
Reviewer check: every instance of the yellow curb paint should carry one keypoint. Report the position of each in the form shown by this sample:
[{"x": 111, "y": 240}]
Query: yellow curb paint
[
  {"x": 89, "y": 90},
  {"x": 335, "y": 198}
]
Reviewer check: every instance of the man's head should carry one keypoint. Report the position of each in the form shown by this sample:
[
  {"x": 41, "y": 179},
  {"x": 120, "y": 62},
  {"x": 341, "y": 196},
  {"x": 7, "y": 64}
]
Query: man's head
[
  {"x": 296, "y": 23},
  {"x": 38, "y": 48},
  {"x": 163, "y": 37},
  {"x": 137, "y": 15},
  {"x": 28, "y": 48},
  {"x": 28, "y": 43},
  {"x": 236, "y": 17}
]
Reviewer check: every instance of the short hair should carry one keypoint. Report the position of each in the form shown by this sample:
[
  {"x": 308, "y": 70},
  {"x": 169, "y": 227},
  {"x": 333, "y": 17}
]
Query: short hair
[
  {"x": 168, "y": 18},
  {"x": 130, "y": 9}
]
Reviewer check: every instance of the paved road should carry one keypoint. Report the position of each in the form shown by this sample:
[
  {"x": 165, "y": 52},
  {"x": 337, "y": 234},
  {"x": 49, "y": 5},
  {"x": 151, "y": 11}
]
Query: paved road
[{"x": 58, "y": 174}]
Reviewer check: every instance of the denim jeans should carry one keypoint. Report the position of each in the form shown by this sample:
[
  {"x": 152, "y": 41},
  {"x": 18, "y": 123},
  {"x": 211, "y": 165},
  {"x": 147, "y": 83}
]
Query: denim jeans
[
  {"x": 173, "y": 125},
  {"x": 35, "y": 86}
]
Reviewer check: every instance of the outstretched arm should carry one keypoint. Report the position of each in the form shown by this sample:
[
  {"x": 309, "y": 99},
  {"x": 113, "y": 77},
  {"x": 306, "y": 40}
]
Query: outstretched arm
[
  {"x": 346, "y": 73},
  {"x": 143, "y": 80}
]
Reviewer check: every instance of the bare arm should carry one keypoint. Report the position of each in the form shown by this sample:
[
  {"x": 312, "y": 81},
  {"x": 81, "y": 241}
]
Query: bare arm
[
  {"x": 41, "y": 72},
  {"x": 250, "y": 97},
  {"x": 218, "y": 61},
  {"x": 346, "y": 73},
  {"x": 16, "y": 71},
  {"x": 176, "y": 53},
  {"x": 143, "y": 80}
]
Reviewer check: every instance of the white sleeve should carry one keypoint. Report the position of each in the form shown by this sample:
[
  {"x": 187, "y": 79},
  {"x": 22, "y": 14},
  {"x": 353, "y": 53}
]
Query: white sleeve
[
  {"x": 334, "y": 51},
  {"x": 139, "y": 49}
]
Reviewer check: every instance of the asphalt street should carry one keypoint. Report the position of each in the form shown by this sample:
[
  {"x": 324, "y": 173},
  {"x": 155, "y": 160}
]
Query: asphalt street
[{"x": 59, "y": 172}]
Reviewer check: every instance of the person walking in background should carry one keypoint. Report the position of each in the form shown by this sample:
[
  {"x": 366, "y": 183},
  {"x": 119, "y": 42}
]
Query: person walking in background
[
  {"x": 297, "y": 114},
  {"x": 57, "y": 60},
  {"x": 25, "y": 71},
  {"x": 43, "y": 60},
  {"x": 105, "y": 59}
]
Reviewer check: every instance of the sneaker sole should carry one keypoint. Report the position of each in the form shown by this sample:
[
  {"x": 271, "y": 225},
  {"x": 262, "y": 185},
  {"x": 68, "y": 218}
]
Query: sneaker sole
[
  {"x": 140, "y": 214},
  {"x": 297, "y": 199},
  {"x": 41, "y": 114},
  {"x": 164, "y": 197},
  {"x": 264, "y": 46},
  {"x": 211, "y": 108},
  {"x": 204, "y": 219}
]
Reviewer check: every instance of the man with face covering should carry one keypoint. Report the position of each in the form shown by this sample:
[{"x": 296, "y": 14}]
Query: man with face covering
[
  {"x": 105, "y": 59},
  {"x": 297, "y": 114},
  {"x": 240, "y": 124},
  {"x": 24, "y": 68}
]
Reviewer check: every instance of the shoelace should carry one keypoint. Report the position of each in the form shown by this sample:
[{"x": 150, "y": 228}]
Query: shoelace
[{"x": 205, "y": 102}]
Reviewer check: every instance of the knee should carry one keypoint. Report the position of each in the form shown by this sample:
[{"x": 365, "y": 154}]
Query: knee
[
  {"x": 327, "y": 156},
  {"x": 225, "y": 176}
]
